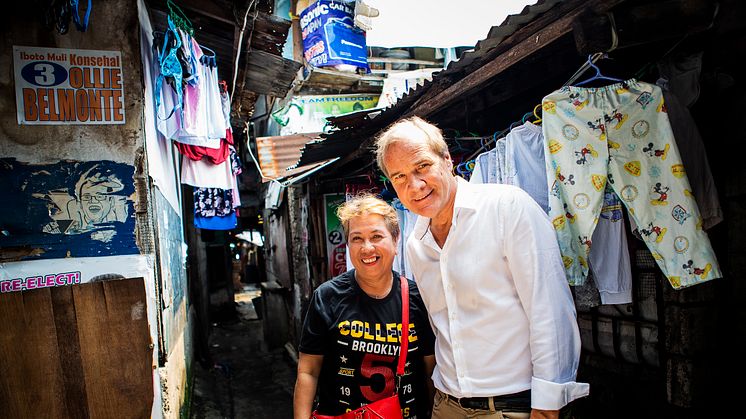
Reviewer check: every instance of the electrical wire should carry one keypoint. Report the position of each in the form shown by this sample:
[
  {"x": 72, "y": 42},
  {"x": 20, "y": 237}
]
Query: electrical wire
[{"x": 238, "y": 52}]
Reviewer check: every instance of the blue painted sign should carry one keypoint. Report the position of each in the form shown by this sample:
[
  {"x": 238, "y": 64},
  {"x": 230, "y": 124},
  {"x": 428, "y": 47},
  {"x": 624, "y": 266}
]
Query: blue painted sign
[
  {"x": 330, "y": 37},
  {"x": 67, "y": 209}
]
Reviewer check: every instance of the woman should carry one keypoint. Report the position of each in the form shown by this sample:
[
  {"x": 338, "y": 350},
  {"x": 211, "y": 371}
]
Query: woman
[{"x": 350, "y": 346}]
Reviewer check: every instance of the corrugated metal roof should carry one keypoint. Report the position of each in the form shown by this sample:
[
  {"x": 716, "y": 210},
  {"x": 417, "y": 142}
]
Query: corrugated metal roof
[
  {"x": 354, "y": 129},
  {"x": 277, "y": 154}
]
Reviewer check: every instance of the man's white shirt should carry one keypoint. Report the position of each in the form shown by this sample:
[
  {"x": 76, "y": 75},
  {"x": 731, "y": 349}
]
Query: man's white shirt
[{"x": 499, "y": 303}]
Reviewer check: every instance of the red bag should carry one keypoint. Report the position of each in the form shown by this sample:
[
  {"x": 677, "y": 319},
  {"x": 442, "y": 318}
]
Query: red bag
[{"x": 389, "y": 407}]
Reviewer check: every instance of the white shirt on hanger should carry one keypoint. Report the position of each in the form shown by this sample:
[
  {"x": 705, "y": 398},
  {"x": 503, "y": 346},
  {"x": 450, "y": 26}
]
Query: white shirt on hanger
[{"x": 205, "y": 174}]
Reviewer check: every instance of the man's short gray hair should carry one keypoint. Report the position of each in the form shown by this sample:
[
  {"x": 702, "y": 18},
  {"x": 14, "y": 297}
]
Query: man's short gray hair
[{"x": 409, "y": 128}]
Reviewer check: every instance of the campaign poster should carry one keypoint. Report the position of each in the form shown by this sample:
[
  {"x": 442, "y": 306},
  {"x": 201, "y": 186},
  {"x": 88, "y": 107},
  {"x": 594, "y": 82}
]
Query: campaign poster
[
  {"x": 36, "y": 274},
  {"x": 68, "y": 86},
  {"x": 335, "y": 242},
  {"x": 330, "y": 37}
]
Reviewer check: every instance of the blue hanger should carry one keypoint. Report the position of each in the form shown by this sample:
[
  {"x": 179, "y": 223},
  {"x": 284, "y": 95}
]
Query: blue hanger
[{"x": 598, "y": 75}]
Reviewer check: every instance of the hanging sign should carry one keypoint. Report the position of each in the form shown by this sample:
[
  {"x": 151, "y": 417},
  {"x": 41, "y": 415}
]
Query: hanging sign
[
  {"x": 330, "y": 37},
  {"x": 308, "y": 113},
  {"x": 335, "y": 242},
  {"x": 68, "y": 86}
]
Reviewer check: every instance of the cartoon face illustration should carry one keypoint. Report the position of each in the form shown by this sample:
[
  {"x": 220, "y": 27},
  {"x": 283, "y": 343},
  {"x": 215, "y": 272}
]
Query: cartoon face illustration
[
  {"x": 653, "y": 232},
  {"x": 694, "y": 270},
  {"x": 584, "y": 153},
  {"x": 569, "y": 180},
  {"x": 93, "y": 204},
  {"x": 659, "y": 194},
  {"x": 651, "y": 151},
  {"x": 597, "y": 127},
  {"x": 615, "y": 116},
  {"x": 570, "y": 216},
  {"x": 94, "y": 196},
  {"x": 577, "y": 102}
]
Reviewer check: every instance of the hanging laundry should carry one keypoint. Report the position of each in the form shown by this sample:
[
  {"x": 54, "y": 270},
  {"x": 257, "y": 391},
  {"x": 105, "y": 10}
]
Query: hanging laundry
[
  {"x": 213, "y": 155},
  {"x": 213, "y": 202},
  {"x": 236, "y": 170},
  {"x": 498, "y": 155},
  {"x": 229, "y": 222},
  {"x": 217, "y": 122},
  {"x": 406, "y": 224},
  {"x": 202, "y": 173},
  {"x": 694, "y": 157},
  {"x": 621, "y": 133},
  {"x": 525, "y": 160},
  {"x": 203, "y": 120},
  {"x": 188, "y": 60},
  {"x": 490, "y": 165},
  {"x": 480, "y": 175},
  {"x": 609, "y": 256},
  {"x": 225, "y": 100},
  {"x": 235, "y": 161},
  {"x": 682, "y": 74},
  {"x": 169, "y": 69}
]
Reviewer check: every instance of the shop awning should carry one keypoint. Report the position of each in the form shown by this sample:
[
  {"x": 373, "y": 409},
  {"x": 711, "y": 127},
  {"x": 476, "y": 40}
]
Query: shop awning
[{"x": 277, "y": 154}]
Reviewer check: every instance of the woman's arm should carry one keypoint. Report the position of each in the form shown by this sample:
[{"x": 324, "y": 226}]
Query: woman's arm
[{"x": 309, "y": 368}]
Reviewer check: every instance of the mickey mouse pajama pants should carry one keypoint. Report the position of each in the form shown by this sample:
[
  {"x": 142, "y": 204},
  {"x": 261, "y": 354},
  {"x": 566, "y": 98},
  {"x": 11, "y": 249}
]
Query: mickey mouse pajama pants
[{"x": 620, "y": 134}]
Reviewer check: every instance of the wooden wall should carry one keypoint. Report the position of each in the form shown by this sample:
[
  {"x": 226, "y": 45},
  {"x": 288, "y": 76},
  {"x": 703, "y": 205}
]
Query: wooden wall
[{"x": 80, "y": 352}]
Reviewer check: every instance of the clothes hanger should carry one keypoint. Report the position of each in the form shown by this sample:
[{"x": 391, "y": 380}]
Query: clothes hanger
[
  {"x": 538, "y": 118},
  {"x": 526, "y": 116},
  {"x": 598, "y": 75},
  {"x": 179, "y": 17},
  {"x": 208, "y": 60}
]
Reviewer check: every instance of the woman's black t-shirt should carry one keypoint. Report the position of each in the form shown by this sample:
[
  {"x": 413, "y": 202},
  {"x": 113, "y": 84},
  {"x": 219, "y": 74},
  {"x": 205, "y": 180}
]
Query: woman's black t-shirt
[{"x": 359, "y": 339}]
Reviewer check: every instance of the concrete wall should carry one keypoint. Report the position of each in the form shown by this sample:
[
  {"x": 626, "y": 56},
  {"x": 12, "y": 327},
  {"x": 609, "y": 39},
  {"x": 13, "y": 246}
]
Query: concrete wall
[{"x": 42, "y": 168}]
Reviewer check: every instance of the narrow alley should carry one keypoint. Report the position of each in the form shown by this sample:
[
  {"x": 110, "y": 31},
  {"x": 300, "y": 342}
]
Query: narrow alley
[{"x": 245, "y": 378}]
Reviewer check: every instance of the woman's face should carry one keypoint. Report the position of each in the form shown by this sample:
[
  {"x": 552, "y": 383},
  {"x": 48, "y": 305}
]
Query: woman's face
[{"x": 372, "y": 247}]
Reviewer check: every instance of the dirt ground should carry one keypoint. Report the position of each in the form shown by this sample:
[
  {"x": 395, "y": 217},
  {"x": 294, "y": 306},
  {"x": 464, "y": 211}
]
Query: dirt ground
[{"x": 246, "y": 380}]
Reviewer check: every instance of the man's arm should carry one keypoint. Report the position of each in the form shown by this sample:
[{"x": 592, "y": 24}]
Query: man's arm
[
  {"x": 541, "y": 285},
  {"x": 309, "y": 368},
  {"x": 429, "y": 361}
]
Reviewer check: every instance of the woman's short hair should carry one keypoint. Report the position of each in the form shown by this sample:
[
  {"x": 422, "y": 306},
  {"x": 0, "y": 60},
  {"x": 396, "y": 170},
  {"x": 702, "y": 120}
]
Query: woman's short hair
[
  {"x": 407, "y": 128},
  {"x": 364, "y": 204}
]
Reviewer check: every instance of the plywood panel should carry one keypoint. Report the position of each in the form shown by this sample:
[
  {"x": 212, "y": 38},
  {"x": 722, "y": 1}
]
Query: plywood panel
[
  {"x": 30, "y": 373},
  {"x": 76, "y": 352},
  {"x": 115, "y": 347}
]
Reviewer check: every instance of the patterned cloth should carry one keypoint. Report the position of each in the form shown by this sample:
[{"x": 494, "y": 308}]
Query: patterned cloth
[
  {"x": 621, "y": 134},
  {"x": 213, "y": 202}
]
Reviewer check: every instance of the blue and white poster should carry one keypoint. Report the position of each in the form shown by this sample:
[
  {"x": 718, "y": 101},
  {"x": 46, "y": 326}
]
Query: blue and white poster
[
  {"x": 330, "y": 37},
  {"x": 67, "y": 209}
]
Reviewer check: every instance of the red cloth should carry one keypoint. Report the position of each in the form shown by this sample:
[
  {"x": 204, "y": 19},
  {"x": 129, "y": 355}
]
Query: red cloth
[{"x": 214, "y": 155}]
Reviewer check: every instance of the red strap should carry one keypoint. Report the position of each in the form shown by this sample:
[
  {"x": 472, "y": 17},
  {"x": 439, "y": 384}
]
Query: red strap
[{"x": 404, "y": 344}]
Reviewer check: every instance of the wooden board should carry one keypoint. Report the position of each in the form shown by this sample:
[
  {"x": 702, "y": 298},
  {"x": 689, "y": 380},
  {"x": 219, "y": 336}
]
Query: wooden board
[{"x": 76, "y": 352}]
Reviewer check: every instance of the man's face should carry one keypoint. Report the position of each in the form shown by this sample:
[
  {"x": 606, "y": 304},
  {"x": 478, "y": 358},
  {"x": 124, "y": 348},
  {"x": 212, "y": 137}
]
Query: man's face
[
  {"x": 422, "y": 179},
  {"x": 95, "y": 202}
]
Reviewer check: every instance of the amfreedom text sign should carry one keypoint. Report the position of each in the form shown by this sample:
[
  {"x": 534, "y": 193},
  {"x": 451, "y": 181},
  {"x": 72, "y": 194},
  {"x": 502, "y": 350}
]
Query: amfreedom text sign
[{"x": 68, "y": 86}]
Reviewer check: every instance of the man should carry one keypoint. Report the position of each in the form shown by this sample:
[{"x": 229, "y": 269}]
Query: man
[{"x": 488, "y": 266}]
